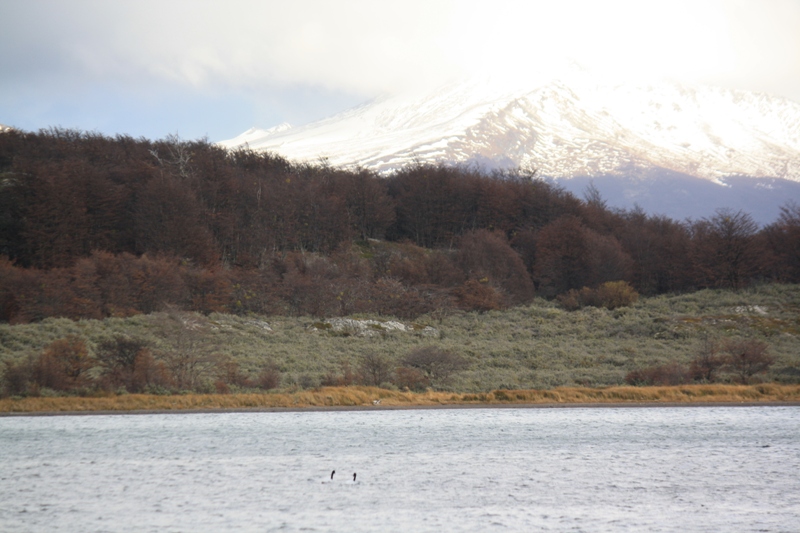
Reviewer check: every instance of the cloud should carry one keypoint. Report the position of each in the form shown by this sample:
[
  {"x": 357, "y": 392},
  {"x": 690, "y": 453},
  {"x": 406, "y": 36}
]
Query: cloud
[
  {"x": 365, "y": 46},
  {"x": 350, "y": 50},
  {"x": 361, "y": 46}
]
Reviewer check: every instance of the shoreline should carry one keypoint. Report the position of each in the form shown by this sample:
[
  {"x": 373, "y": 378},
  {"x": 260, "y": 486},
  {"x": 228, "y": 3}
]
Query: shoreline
[
  {"x": 358, "y": 398},
  {"x": 361, "y": 408}
]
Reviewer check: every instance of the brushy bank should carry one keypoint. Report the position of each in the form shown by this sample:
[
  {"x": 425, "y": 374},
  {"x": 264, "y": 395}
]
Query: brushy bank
[
  {"x": 373, "y": 397},
  {"x": 537, "y": 346}
]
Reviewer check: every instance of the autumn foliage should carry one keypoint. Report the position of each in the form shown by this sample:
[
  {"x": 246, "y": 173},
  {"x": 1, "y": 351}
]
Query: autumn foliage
[{"x": 94, "y": 227}]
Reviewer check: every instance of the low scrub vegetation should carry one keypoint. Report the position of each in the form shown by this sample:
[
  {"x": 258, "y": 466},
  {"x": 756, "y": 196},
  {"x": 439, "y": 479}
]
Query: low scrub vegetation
[
  {"x": 611, "y": 294},
  {"x": 713, "y": 336},
  {"x": 739, "y": 360}
]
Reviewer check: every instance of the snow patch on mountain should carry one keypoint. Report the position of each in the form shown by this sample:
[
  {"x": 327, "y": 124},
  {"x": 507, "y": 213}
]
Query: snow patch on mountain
[
  {"x": 564, "y": 129},
  {"x": 255, "y": 136}
]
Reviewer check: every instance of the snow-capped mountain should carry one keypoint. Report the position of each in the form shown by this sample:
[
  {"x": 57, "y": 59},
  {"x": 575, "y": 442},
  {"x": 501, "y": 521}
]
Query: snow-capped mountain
[{"x": 566, "y": 130}]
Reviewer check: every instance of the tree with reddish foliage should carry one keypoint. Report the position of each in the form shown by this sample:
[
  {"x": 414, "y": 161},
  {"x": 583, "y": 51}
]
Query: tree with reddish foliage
[
  {"x": 94, "y": 227},
  {"x": 369, "y": 208},
  {"x": 607, "y": 260},
  {"x": 21, "y": 291},
  {"x": 611, "y": 295},
  {"x": 441, "y": 269},
  {"x": 64, "y": 365},
  {"x": 209, "y": 290},
  {"x": 659, "y": 249},
  {"x": 487, "y": 257},
  {"x": 782, "y": 240},
  {"x": 85, "y": 297},
  {"x": 597, "y": 215},
  {"x": 156, "y": 282},
  {"x": 562, "y": 258},
  {"x": 308, "y": 285},
  {"x": 405, "y": 262},
  {"x": 9, "y": 284},
  {"x": 432, "y": 205},
  {"x": 524, "y": 243},
  {"x": 476, "y": 296},
  {"x": 150, "y": 374},
  {"x": 47, "y": 293},
  {"x": 495, "y": 203},
  {"x": 120, "y": 352},
  {"x": 55, "y": 225},
  {"x": 322, "y": 223},
  {"x": 169, "y": 219},
  {"x": 116, "y": 284},
  {"x": 119, "y": 357},
  {"x": 255, "y": 291}
]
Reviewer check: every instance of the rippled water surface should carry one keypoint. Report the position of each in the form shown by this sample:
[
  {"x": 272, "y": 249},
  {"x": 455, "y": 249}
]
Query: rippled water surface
[{"x": 595, "y": 469}]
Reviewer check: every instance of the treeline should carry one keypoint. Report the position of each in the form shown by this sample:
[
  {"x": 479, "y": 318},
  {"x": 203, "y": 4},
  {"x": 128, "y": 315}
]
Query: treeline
[{"x": 92, "y": 226}]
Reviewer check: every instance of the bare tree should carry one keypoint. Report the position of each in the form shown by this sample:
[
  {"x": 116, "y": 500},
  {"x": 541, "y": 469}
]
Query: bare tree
[
  {"x": 747, "y": 357},
  {"x": 708, "y": 362},
  {"x": 438, "y": 365},
  {"x": 120, "y": 351},
  {"x": 783, "y": 240},
  {"x": 726, "y": 248},
  {"x": 190, "y": 358},
  {"x": 375, "y": 369},
  {"x": 119, "y": 356}
]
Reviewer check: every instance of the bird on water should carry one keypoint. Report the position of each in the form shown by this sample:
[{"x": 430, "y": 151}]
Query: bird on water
[
  {"x": 354, "y": 477},
  {"x": 332, "y": 473}
]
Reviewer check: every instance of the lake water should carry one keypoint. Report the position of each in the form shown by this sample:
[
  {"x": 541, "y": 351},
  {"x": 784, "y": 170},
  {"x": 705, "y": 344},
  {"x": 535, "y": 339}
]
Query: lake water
[{"x": 575, "y": 469}]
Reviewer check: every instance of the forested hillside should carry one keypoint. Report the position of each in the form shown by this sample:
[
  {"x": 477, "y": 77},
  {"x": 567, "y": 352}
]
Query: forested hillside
[{"x": 93, "y": 227}]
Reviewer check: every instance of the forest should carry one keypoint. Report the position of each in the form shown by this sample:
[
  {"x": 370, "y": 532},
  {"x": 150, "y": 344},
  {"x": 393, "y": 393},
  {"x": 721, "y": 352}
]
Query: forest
[
  {"x": 94, "y": 227},
  {"x": 129, "y": 266}
]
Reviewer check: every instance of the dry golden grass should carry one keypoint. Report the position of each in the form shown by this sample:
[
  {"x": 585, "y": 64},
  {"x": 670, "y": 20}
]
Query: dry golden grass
[{"x": 366, "y": 396}]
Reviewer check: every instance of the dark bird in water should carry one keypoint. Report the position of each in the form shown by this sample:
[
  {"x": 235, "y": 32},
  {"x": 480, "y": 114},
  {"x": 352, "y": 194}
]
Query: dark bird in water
[
  {"x": 332, "y": 473},
  {"x": 354, "y": 477}
]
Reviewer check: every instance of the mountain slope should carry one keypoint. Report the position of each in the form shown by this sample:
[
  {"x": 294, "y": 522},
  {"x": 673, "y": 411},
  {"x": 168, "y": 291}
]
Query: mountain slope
[
  {"x": 565, "y": 130},
  {"x": 562, "y": 130}
]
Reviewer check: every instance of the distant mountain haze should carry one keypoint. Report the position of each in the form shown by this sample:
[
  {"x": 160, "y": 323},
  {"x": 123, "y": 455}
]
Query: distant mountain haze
[{"x": 678, "y": 150}]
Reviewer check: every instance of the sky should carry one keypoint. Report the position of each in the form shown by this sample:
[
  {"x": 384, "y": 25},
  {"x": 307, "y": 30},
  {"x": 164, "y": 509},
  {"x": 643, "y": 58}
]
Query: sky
[{"x": 212, "y": 69}]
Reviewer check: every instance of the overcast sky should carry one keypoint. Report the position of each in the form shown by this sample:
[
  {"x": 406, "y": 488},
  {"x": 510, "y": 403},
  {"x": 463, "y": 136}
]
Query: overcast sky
[{"x": 211, "y": 68}]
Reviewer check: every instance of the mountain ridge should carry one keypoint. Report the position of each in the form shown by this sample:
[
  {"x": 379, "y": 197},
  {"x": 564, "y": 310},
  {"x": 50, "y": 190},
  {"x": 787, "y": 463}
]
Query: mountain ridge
[
  {"x": 566, "y": 130},
  {"x": 561, "y": 129}
]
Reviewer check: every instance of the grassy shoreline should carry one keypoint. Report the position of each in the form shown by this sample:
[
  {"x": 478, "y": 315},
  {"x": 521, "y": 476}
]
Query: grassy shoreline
[{"x": 365, "y": 397}]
